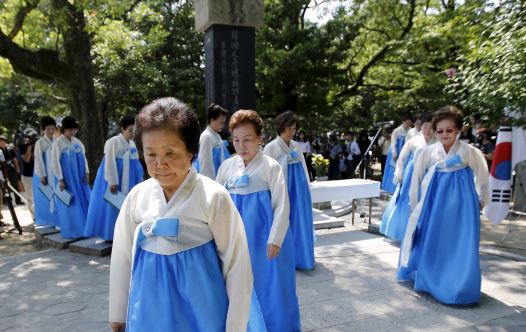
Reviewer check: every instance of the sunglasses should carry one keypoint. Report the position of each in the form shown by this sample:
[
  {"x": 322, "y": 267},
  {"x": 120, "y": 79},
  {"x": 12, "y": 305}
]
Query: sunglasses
[{"x": 442, "y": 131}]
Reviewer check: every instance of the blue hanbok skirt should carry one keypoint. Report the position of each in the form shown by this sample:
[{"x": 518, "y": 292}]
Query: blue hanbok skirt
[
  {"x": 394, "y": 222},
  {"x": 301, "y": 219},
  {"x": 275, "y": 280},
  {"x": 181, "y": 292},
  {"x": 43, "y": 214},
  {"x": 102, "y": 215},
  {"x": 72, "y": 218},
  {"x": 444, "y": 260},
  {"x": 388, "y": 183},
  {"x": 216, "y": 155}
]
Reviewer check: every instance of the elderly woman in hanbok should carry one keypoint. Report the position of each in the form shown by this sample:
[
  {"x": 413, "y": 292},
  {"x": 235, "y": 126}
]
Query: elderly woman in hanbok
[
  {"x": 180, "y": 259},
  {"x": 397, "y": 143},
  {"x": 212, "y": 149},
  {"x": 288, "y": 154},
  {"x": 70, "y": 167},
  {"x": 43, "y": 176},
  {"x": 257, "y": 186},
  {"x": 396, "y": 215},
  {"x": 440, "y": 249},
  {"x": 119, "y": 171}
]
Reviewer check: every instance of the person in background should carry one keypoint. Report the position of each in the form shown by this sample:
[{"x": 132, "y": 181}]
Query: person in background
[
  {"x": 353, "y": 153},
  {"x": 27, "y": 148},
  {"x": 416, "y": 129},
  {"x": 257, "y": 187},
  {"x": 70, "y": 167},
  {"x": 335, "y": 150},
  {"x": 13, "y": 168},
  {"x": 45, "y": 213},
  {"x": 466, "y": 135},
  {"x": 397, "y": 143},
  {"x": 306, "y": 148},
  {"x": 119, "y": 171},
  {"x": 487, "y": 147},
  {"x": 212, "y": 149},
  {"x": 286, "y": 151},
  {"x": 449, "y": 185},
  {"x": 385, "y": 142},
  {"x": 180, "y": 259}
]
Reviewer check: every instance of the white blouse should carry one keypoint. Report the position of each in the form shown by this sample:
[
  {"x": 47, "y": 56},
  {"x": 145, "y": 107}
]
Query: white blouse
[
  {"x": 203, "y": 207},
  {"x": 43, "y": 146},
  {"x": 278, "y": 150},
  {"x": 207, "y": 141},
  {"x": 59, "y": 145},
  {"x": 264, "y": 174},
  {"x": 118, "y": 147}
]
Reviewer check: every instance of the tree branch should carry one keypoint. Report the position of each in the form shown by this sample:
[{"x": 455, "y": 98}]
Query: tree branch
[
  {"x": 387, "y": 88},
  {"x": 21, "y": 16},
  {"x": 353, "y": 89},
  {"x": 43, "y": 64}
]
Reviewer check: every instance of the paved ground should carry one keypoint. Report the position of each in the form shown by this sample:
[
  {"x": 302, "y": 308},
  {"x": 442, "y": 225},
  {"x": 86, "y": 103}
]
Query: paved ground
[{"x": 352, "y": 288}]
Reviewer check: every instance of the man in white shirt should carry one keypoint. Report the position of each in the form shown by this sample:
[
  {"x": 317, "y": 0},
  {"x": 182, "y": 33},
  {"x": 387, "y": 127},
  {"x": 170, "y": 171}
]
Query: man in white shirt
[{"x": 353, "y": 150}]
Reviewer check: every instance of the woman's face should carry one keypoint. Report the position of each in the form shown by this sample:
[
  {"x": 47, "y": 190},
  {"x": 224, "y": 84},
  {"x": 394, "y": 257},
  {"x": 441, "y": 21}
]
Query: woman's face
[
  {"x": 49, "y": 130},
  {"x": 167, "y": 158},
  {"x": 427, "y": 130},
  {"x": 418, "y": 124},
  {"x": 218, "y": 124},
  {"x": 246, "y": 141},
  {"x": 128, "y": 132},
  {"x": 70, "y": 132},
  {"x": 301, "y": 136},
  {"x": 447, "y": 132},
  {"x": 288, "y": 133}
]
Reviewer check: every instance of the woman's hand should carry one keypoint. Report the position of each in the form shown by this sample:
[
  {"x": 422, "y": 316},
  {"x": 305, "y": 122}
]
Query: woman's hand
[
  {"x": 43, "y": 180},
  {"x": 272, "y": 251},
  {"x": 113, "y": 189},
  {"x": 116, "y": 327},
  {"x": 61, "y": 184}
]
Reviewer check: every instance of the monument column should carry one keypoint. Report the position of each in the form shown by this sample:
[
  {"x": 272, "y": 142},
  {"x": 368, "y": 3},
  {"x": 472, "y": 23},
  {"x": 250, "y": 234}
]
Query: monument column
[{"x": 230, "y": 50}]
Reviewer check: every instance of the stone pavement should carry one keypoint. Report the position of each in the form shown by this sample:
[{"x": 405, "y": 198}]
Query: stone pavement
[{"x": 352, "y": 289}]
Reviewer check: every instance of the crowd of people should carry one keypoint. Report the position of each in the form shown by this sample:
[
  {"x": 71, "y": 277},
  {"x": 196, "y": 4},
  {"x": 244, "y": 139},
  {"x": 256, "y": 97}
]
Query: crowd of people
[{"x": 211, "y": 241}]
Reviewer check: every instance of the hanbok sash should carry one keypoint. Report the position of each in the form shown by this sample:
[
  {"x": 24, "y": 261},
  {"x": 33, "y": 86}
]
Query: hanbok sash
[{"x": 453, "y": 164}]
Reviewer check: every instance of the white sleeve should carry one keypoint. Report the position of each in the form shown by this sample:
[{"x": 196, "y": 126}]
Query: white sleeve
[
  {"x": 280, "y": 205},
  {"x": 356, "y": 148},
  {"x": 206, "y": 160},
  {"x": 419, "y": 170},
  {"x": 55, "y": 159},
  {"x": 121, "y": 258},
  {"x": 399, "y": 170},
  {"x": 229, "y": 235},
  {"x": 84, "y": 155},
  {"x": 309, "y": 147},
  {"x": 222, "y": 175},
  {"x": 40, "y": 168},
  {"x": 394, "y": 135},
  {"x": 270, "y": 151},
  {"x": 111, "y": 174},
  {"x": 478, "y": 164}
]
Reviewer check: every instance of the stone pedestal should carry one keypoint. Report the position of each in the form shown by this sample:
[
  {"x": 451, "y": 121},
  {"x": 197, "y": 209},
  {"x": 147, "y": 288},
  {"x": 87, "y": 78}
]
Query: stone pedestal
[
  {"x": 57, "y": 241},
  {"x": 41, "y": 231},
  {"x": 92, "y": 246}
]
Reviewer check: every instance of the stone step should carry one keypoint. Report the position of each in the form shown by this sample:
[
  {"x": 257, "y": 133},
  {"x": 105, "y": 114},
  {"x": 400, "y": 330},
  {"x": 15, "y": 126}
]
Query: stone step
[
  {"x": 41, "y": 231},
  {"x": 57, "y": 241},
  {"x": 324, "y": 221},
  {"x": 93, "y": 246}
]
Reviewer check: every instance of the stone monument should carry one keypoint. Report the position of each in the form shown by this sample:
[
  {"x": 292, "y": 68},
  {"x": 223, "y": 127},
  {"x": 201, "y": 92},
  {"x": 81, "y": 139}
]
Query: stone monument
[{"x": 230, "y": 50}]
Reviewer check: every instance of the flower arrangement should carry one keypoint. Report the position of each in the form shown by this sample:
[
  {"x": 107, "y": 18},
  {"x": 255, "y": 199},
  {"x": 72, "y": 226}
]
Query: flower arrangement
[{"x": 320, "y": 164}]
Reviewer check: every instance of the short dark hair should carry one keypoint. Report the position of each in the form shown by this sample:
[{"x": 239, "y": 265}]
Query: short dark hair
[
  {"x": 406, "y": 117},
  {"x": 47, "y": 121},
  {"x": 171, "y": 114},
  {"x": 246, "y": 116},
  {"x": 126, "y": 121},
  {"x": 69, "y": 122},
  {"x": 427, "y": 117},
  {"x": 285, "y": 120},
  {"x": 448, "y": 112},
  {"x": 214, "y": 112}
]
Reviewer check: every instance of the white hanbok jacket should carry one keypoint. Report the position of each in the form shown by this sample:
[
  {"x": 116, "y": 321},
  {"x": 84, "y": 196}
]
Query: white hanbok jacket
[
  {"x": 411, "y": 145},
  {"x": 59, "y": 145},
  {"x": 207, "y": 141},
  {"x": 264, "y": 174},
  {"x": 42, "y": 147},
  {"x": 118, "y": 147},
  {"x": 205, "y": 211},
  {"x": 278, "y": 150},
  {"x": 399, "y": 131}
]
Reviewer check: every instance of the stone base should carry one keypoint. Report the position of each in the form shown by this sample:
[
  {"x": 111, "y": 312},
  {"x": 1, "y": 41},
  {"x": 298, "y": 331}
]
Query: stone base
[
  {"x": 93, "y": 246},
  {"x": 57, "y": 241},
  {"x": 41, "y": 231},
  {"x": 322, "y": 206},
  {"x": 374, "y": 229},
  {"x": 324, "y": 221}
]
